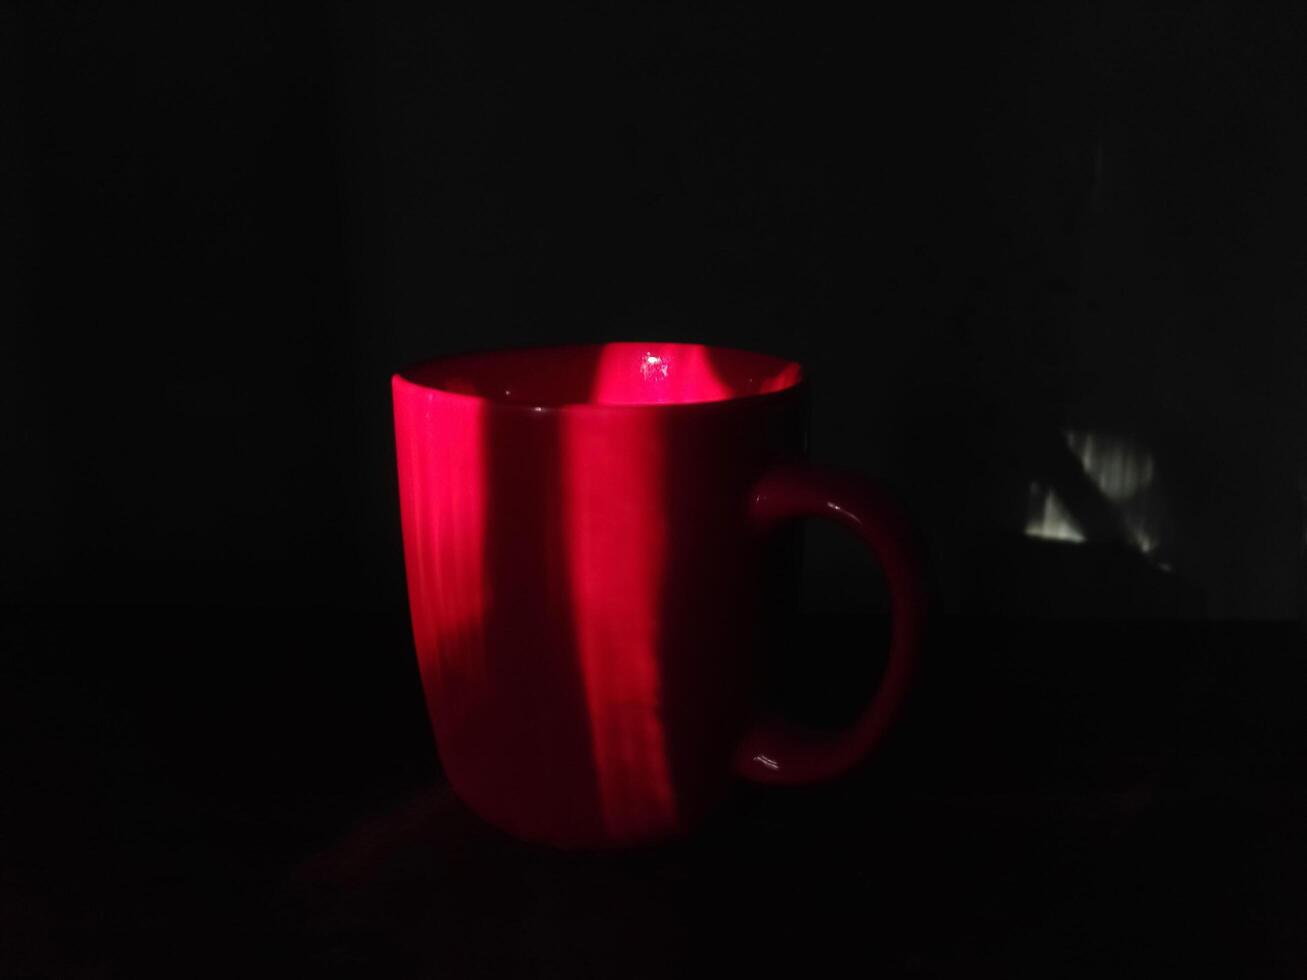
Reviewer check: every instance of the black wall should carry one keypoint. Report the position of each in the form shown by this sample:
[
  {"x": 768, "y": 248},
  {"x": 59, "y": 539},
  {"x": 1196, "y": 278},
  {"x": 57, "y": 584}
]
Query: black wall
[{"x": 223, "y": 228}]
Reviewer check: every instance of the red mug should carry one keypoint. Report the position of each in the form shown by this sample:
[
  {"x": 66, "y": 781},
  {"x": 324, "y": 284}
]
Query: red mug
[{"x": 586, "y": 541}]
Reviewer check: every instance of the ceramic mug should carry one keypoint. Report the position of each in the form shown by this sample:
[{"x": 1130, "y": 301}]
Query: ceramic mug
[{"x": 586, "y": 540}]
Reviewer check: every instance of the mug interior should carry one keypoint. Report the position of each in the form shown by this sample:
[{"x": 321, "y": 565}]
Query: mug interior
[{"x": 610, "y": 374}]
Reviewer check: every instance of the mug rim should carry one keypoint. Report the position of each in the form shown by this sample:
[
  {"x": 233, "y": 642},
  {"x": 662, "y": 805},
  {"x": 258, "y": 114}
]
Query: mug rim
[{"x": 404, "y": 376}]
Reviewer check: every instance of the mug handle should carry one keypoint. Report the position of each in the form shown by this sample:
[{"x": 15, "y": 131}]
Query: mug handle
[{"x": 782, "y": 754}]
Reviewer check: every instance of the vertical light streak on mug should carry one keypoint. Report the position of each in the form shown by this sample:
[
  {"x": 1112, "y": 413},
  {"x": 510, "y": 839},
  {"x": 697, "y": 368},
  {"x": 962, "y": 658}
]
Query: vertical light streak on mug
[
  {"x": 616, "y": 532},
  {"x": 442, "y": 506}
]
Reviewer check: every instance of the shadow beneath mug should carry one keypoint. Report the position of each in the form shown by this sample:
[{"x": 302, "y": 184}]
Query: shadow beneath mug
[{"x": 1024, "y": 796}]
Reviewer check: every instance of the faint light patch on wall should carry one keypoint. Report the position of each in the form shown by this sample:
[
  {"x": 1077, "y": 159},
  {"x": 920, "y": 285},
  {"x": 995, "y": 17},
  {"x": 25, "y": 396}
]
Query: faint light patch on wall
[
  {"x": 1125, "y": 473},
  {"x": 1048, "y": 517}
]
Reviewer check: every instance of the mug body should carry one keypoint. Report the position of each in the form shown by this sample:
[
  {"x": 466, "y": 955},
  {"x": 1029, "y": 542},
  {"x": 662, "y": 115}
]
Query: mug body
[{"x": 586, "y": 589}]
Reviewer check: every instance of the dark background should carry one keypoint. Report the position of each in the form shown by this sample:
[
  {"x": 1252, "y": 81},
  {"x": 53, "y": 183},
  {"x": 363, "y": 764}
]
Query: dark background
[
  {"x": 994, "y": 238},
  {"x": 225, "y": 225}
]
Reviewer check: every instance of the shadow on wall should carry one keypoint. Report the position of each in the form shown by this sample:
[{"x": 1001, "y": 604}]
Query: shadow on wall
[
  {"x": 1096, "y": 538},
  {"x": 1037, "y": 510}
]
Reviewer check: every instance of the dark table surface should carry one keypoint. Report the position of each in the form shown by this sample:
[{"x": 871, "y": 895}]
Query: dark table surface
[{"x": 206, "y": 792}]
